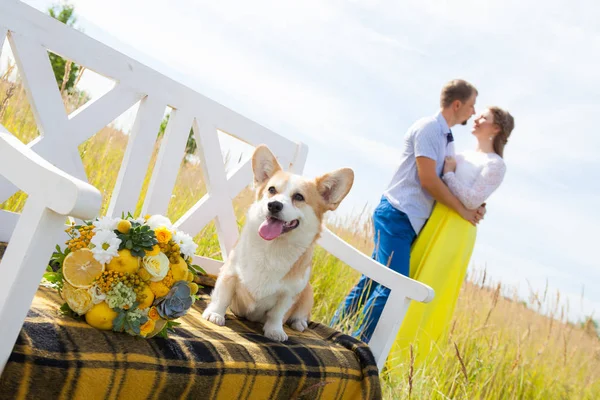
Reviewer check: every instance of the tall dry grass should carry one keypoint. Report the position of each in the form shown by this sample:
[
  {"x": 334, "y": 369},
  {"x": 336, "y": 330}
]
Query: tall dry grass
[{"x": 498, "y": 347}]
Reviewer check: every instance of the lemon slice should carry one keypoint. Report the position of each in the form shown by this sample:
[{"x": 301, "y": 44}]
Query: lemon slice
[{"x": 80, "y": 268}]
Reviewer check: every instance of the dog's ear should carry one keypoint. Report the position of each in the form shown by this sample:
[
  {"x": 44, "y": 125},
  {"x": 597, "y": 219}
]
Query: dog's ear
[
  {"x": 334, "y": 186},
  {"x": 264, "y": 165}
]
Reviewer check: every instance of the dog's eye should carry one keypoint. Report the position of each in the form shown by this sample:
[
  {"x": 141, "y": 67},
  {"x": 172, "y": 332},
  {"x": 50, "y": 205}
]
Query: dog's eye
[
  {"x": 298, "y": 197},
  {"x": 272, "y": 190}
]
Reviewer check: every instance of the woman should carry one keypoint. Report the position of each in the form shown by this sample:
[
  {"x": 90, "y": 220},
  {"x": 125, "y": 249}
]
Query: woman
[{"x": 441, "y": 253}]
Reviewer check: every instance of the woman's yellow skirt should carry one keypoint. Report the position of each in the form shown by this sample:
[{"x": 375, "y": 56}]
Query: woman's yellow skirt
[{"x": 439, "y": 258}]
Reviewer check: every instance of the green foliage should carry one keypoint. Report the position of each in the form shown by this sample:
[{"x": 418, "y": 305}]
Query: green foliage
[
  {"x": 168, "y": 327},
  {"x": 66, "y": 311},
  {"x": 53, "y": 272},
  {"x": 190, "y": 147},
  {"x": 65, "y": 14},
  {"x": 126, "y": 321},
  {"x": 138, "y": 240}
]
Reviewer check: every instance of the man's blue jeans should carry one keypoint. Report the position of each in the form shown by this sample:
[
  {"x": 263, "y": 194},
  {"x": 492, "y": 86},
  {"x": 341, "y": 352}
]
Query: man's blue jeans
[{"x": 393, "y": 238}]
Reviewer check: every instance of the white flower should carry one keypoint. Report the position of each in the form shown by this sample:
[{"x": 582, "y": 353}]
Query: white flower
[
  {"x": 137, "y": 314},
  {"x": 97, "y": 295},
  {"x": 186, "y": 243},
  {"x": 106, "y": 246},
  {"x": 157, "y": 266},
  {"x": 106, "y": 224},
  {"x": 157, "y": 221},
  {"x": 79, "y": 300}
]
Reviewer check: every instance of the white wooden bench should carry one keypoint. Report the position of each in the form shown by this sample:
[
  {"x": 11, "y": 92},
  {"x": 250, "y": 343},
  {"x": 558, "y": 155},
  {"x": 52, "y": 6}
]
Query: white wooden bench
[{"x": 50, "y": 169}]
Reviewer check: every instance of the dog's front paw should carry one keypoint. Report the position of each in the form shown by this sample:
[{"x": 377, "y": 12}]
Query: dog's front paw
[
  {"x": 275, "y": 333},
  {"x": 299, "y": 325},
  {"x": 213, "y": 317}
]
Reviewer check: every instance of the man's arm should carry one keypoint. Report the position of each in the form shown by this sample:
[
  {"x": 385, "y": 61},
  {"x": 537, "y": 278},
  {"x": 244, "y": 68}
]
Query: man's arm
[{"x": 432, "y": 183}]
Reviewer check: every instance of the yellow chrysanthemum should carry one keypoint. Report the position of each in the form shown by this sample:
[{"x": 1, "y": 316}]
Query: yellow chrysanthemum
[
  {"x": 163, "y": 235},
  {"x": 159, "y": 289},
  {"x": 168, "y": 280}
]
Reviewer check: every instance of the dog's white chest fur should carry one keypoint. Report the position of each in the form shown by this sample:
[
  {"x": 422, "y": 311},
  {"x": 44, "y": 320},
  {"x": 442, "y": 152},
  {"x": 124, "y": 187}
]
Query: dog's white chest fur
[{"x": 261, "y": 268}]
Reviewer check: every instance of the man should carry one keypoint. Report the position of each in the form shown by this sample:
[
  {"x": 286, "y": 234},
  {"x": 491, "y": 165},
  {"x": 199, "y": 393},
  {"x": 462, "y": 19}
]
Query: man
[{"x": 408, "y": 201}]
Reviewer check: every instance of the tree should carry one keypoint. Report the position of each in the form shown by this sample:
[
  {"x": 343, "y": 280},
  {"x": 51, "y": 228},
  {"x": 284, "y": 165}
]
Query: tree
[
  {"x": 65, "y": 14},
  {"x": 190, "y": 146}
]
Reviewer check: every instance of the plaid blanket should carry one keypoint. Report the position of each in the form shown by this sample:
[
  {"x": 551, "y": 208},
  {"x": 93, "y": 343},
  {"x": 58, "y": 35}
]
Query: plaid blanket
[{"x": 59, "y": 357}]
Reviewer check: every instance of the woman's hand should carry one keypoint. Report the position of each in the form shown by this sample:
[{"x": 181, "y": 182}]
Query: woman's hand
[{"x": 449, "y": 165}]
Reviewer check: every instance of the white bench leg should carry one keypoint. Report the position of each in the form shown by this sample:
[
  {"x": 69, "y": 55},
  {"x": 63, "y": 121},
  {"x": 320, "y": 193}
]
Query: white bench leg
[{"x": 22, "y": 267}]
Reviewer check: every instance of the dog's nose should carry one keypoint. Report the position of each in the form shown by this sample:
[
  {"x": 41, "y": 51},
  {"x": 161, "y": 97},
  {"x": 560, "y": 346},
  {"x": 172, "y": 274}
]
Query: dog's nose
[{"x": 275, "y": 206}]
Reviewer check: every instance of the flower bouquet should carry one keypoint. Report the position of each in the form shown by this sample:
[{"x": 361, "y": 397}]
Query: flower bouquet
[{"x": 125, "y": 274}]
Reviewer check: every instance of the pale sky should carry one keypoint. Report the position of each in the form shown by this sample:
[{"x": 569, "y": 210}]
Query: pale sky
[{"x": 349, "y": 77}]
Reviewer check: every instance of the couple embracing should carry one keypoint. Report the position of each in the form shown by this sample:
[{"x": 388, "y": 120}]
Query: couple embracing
[{"x": 426, "y": 222}]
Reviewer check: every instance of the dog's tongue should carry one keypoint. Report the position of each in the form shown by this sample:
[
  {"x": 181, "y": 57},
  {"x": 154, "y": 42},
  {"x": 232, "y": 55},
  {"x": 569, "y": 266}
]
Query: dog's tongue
[{"x": 270, "y": 229}]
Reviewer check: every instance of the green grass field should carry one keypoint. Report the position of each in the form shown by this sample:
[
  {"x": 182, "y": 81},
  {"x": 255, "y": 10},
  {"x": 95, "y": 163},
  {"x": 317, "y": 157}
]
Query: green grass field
[{"x": 498, "y": 348}]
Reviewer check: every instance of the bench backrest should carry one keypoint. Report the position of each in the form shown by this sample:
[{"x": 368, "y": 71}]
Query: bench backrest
[{"x": 31, "y": 34}]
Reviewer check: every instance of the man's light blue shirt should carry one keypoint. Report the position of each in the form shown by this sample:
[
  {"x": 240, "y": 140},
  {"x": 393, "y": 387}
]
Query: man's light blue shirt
[{"x": 428, "y": 137}]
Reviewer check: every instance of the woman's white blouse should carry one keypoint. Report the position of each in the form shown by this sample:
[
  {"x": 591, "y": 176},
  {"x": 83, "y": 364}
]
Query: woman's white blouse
[{"x": 477, "y": 175}]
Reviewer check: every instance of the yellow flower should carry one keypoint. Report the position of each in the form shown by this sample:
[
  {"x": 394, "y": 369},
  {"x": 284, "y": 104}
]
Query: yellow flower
[
  {"x": 147, "y": 328},
  {"x": 168, "y": 281},
  {"x": 159, "y": 289},
  {"x": 157, "y": 266},
  {"x": 79, "y": 300},
  {"x": 163, "y": 235},
  {"x": 124, "y": 226},
  {"x": 193, "y": 288},
  {"x": 153, "y": 314}
]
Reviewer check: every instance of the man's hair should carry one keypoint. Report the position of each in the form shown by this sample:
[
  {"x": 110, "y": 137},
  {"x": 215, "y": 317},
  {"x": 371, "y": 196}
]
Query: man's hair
[{"x": 456, "y": 89}]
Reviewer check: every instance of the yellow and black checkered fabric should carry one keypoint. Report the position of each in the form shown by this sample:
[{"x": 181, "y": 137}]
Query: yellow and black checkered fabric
[{"x": 57, "y": 357}]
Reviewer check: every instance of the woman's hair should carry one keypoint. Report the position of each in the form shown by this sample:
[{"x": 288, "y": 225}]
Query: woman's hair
[
  {"x": 506, "y": 123},
  {"x": 456, "y": 89}
]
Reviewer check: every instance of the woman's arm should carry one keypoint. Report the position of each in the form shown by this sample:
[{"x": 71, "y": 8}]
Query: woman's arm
[{"x": 472, "y": 197}]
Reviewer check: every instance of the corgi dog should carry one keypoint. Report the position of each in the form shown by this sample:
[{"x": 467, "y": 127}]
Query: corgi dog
[{"x": 266, "y": 276}]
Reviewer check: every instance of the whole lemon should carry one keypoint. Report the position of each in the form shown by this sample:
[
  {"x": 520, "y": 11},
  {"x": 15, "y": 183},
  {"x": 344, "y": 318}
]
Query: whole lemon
[
  {"x": 179, "y": 269},
  {"x": 146, "y": 302},
  {"x": 155, "y": 250},
  {"x": 101, "y": 316},
  {"x": 124, "y": 262}
]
